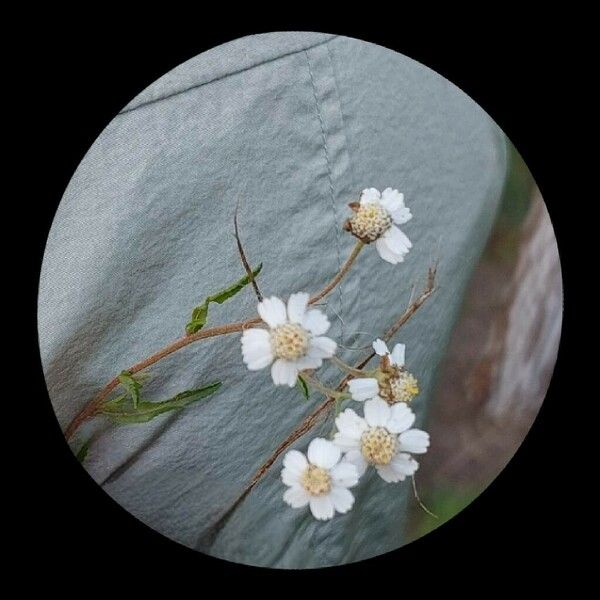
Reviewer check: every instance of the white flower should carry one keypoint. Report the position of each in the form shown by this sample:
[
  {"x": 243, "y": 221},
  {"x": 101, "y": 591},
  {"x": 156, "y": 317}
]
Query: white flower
[
  {"x": 322, "y": 481},
  {"x": 293, "y": 342},
  {"x": 382, "y": 438},
  {"x": 375, "y": 220},
  {"x": 396, "y": 383},
  {"x": 396, "y": 357},
  {"x": 363, "y": 388}
]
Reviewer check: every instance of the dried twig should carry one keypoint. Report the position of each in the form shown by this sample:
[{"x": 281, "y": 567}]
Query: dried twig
[{"x": 243, "y": 255}]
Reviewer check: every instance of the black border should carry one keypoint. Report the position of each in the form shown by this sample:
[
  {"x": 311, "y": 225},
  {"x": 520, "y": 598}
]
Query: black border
[{"x": 84, "y": 78}]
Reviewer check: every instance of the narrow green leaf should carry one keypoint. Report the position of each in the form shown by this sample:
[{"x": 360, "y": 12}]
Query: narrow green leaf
[
  {"x": 83, "y": 451},
  {"x": 132, "y": 386},
  {"x": 303, "y": 387},
  {"x": 200, "y": 313},
  {"x": 121, "y": 411}
]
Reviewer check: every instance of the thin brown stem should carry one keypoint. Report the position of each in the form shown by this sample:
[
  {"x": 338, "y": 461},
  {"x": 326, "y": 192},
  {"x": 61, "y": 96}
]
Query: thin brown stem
[
  {"x": 341, "y": 273},
  {"x": 247, "y": 268},
  {"x": 91, "y": 409},
  {"x": 320, "y": 411}
]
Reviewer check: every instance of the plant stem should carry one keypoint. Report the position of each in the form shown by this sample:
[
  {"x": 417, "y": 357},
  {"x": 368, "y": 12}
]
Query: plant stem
[
  {"x": 314, "y": 417},
  {"x": 326, "y": 391},
  {"x": 341, "y": 273},
  {"x": 92, "y": 407},
  {"x": 348, "y": 369}
]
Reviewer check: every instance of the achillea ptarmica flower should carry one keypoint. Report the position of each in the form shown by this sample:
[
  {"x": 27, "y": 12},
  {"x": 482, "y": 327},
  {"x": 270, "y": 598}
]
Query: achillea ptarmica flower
[
  {"x": 375, "y": 219},
  {"x": 293, "y": 342},
  {"x": 382, "y": 438},
  {"x": 396, "y": 384},
  {"x": 363, "y": 388},
  {"x": 321, "y": 481}
]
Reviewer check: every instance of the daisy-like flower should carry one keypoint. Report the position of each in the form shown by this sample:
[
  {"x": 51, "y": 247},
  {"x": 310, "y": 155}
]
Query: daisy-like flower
[
  {"x": 396, "y": 384},
  {"x": 293, "y": 342},
  {"x": 383, "y": 438},
  {"x": 321, "y": 481},
  {"x": 375, "y": 220}
]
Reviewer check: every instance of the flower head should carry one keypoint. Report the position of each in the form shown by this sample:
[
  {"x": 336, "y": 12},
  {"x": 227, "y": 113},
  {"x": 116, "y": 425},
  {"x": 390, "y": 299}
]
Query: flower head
[
  {"x": 395, "y": 383},
  {"x": 321, "y": 481},
  {"x": 293, "y": 342},
  {"x": 375, "y": 219},
  {"x": 383, "y": 439}
]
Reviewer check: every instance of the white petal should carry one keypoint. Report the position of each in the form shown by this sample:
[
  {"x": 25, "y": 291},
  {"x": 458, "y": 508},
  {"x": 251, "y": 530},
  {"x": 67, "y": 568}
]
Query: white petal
[
  {"x": 296, "y": 496},
  {"x": 415, "y": 441},
  {"x": 377, "y": 412},
  {"x": 296, "y": 307},
  {"x": 356, "y": 458},
  {"x": 290, "y": 477},
  {"x": 321, "y": 507},
  {"x": 402, "y": 215},
  {"x": 344, "y": 474},
  {"x": 398, "y": 355},
  {"x": 323, "y": 453},
  {"x": 401, "y": 418},
  {"x": 380, "y": 347},
  {"x": 342, "y": 499},
  {"x": 363, "y": 388},
  {"x": 389, "y": 474},
  {"x": 384, "y": 251},
  {"x": 345, "y": 443},
  {"x": 295, "y": 462},
  {"x": 350, "y": 425},
  {"x": 316, "y": 322},
  {"x": 397, "y": 241},
  {"x": 284, "y": 372},
  {"x": 308, "y": 362},
  {"x": 404, "y": 465},
  {"x": 256, "y": 349},
  {"x": 272, "y": 311},
  {"x": 391, "y": 200},
  {"x": 369, "y": 195},
  {"x": 322, "y": 347}
]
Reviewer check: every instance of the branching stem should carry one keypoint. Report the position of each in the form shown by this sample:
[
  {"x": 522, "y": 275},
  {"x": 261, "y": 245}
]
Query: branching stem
[{"x": 93, "y": 407}]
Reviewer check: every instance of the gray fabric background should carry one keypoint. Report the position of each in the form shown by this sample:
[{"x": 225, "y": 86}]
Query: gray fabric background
[{"x": 294, "y": 125}]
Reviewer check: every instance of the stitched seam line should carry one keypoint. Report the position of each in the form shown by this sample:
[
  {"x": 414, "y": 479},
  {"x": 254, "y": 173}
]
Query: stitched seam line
[
  {"x": 220, "y": 77},
  {"x": 331, "y": 190}
]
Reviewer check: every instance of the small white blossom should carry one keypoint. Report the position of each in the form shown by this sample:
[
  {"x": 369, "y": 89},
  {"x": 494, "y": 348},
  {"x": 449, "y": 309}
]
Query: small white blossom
[
  {"x": 396, "y": 356},
  {"x": 375, "y": 220},
  {"x": 396, "y": 384},
  {"x": 321, "y": 481},
  {"x": 363, "y": 388},
  {"x": 293, "y": 342},
  {"x": 383, "y": 438}
]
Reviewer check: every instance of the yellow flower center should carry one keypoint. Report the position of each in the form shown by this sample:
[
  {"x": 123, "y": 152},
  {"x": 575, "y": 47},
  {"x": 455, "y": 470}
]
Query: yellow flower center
[
  {"x": 316, "y": 481},
  {"x": 404, "y": 388},
  {"x": 370, "y": 222},
  {"x": 289, "y": 341},
  {"x": 378, "y": 446}
]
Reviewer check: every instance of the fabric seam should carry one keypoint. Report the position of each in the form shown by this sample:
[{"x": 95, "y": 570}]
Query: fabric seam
[
  {"x": 331, "y": 188},
  {"x": 125, "y": 111}
]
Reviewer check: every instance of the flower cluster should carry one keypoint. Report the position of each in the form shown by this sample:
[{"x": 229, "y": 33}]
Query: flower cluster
[{"x": 292, "y": 342}]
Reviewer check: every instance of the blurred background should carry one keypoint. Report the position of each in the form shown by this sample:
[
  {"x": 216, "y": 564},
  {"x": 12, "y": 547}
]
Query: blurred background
[{"x": 500, "y": 358}]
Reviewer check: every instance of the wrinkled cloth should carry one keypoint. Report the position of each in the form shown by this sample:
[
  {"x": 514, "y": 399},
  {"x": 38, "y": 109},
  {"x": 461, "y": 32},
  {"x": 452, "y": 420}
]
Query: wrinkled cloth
[{"x": 292, "y": 126}]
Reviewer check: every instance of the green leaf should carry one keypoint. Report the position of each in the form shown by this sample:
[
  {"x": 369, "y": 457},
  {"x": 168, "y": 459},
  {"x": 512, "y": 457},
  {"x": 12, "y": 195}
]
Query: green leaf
[
  {"x": 132, "y": 386},
  {"x": 303, "y": 387},
  {"x": 82, "y": 452},
  {"x": 121, "y": 411},
  {"x": 200, "y": 313}
]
